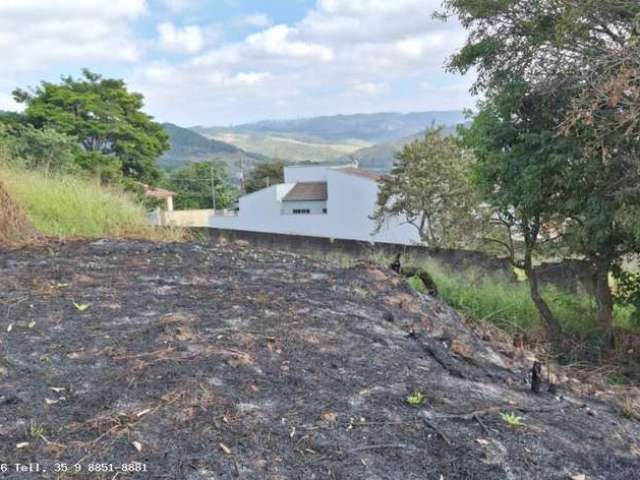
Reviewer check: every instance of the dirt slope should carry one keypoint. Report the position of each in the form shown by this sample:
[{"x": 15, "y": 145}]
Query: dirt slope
[{"x": 234, "y": 363}]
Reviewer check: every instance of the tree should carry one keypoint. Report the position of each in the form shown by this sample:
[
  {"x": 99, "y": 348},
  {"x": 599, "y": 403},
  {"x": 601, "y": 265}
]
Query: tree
[
  {"x": 555, "y": 48},
  {"x": 201, "y": 184},
  {"x": 264, "y": 175},
  {"x": 519, "y": 170},
  {"x": 46, "y": 149},
  {"x": 428, "y": 186},
  {"x": 106, "y": 119},
  {"x": 595, "y": 43}
]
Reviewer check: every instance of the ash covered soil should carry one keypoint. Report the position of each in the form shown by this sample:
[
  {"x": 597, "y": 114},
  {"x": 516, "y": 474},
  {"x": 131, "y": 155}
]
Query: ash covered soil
[{"x": 229, "y": 362}]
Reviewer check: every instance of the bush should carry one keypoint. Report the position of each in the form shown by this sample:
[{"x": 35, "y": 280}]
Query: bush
[{"x": 44, "y": 149}]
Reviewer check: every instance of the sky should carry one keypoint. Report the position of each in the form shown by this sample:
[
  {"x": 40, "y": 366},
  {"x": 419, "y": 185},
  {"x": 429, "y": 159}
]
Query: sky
[{"x": 225, "y": 62}]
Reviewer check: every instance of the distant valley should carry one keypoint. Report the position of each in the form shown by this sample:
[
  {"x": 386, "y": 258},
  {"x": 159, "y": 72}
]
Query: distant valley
[
  {"x": 371, "y": 139},
  {"x": 290, "y": 148}
]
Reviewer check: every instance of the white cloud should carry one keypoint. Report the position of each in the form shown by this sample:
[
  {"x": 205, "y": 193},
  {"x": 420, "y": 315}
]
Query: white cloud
[
  {"x": 241, "y": 79},
  {"x": 280, "y": 41},
  {"x": 178, "y": 6},
  {"x": 371, "y": 20},
  {"x": 371, "y": 88},
  {"x": 46, "y": 9},
  {"x": 38, "y": 33},
  {"x": 342, "y": 56},
  {"x": 188, "y": 40},
  {"x": 254, "y": 20},
  {"x": 339, "y": 57}
]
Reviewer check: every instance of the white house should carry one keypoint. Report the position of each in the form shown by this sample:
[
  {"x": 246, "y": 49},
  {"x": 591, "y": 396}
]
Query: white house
[{"x": 321, "y": 201}]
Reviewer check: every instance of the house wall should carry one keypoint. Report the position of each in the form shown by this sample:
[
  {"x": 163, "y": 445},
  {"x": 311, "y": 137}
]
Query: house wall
[
  {"x": 353, "y": 199},
  {"x": 351, "y": 202},
  {"x": 315, "y": 207},
  {"x": 305, "y": 174}
]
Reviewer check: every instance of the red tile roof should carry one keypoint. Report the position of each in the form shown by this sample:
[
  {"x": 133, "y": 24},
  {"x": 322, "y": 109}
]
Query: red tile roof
[{"x": 158, "y": 192}]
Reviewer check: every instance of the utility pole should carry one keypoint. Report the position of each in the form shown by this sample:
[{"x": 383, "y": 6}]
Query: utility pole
[{"x": 213, "y": 188}]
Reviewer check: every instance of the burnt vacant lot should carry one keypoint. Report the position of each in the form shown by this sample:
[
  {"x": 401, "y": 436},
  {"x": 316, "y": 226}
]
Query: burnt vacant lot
[{"x": 197, "y": 362}]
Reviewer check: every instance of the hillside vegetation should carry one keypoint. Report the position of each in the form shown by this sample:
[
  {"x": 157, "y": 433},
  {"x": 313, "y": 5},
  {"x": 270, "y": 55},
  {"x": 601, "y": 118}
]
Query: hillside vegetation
[
  {"x": 188, "y": 146},
  {"x": 72, "y": 206}
]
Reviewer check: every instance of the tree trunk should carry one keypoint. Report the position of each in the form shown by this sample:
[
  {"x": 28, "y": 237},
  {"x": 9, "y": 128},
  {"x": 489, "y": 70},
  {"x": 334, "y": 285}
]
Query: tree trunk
[
  {"x": 546, "y": 315},
  {"x": 604, "y": 300}
]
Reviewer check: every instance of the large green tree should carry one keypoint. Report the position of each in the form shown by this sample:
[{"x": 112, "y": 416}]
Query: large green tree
[
  {"x": 202, "y": 185},
  {"x": 264, "y": 175},
  {"x": 595, "y": 42},
  {"x": 553, "y": 50},
  {"x": 520, "y": 171},
  {"x": 105, "y": 117},
  {"x": 429, "y": 187}
]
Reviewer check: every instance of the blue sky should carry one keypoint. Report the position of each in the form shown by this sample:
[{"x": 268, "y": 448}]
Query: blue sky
[{"x": 222, "y": 62}]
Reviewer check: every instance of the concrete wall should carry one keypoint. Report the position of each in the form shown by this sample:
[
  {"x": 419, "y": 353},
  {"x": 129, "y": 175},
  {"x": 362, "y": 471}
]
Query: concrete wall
[
  {"x": 186, "y": 218},
  {"x": 455, "y": 260},
  {"x": 571, "y": 276}
]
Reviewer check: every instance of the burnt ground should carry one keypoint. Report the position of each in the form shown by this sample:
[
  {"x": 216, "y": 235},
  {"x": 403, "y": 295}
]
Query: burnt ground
[{"x": 234, "y": 363}]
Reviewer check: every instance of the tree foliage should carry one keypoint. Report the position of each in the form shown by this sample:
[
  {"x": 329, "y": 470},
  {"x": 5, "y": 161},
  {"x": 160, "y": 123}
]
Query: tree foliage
[
  {"x": 546, "y": 161},
  {"x": 520, "y": 171},
  {"x": 196, "y": 185},
  {"x": 47, "y": 149},
  {"x": 107, "y": 120},
  {"x": 264, "y": 175},
  {"x": 593, "y": 43},
  {"x": 429, "y": 187}
]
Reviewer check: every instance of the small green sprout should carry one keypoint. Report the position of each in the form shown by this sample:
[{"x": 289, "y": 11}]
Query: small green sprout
[
  {"x": 512, "y": 420},
  {"x": 35, "y": 430},
  {"x": 81, "y": 307},
  {"x": 416, "y": 399}
]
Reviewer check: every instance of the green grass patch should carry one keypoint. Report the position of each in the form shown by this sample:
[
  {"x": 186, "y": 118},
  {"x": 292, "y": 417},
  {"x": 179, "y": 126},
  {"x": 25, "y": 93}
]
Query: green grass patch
[
  {"x": 508, "y": 305},
  {"x": 70, "y": 206}
]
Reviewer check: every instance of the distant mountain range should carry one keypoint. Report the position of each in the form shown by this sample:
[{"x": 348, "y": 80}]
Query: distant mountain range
[
  {"x": 189, "y": 146},
  {"x": 367, "y": 127},
  {"x": 371, "y": 139}
]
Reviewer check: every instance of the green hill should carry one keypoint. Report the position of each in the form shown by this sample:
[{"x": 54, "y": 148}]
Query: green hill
[
  {"x": 380, "y": 157},
  {"x": 189, "y": 146}
]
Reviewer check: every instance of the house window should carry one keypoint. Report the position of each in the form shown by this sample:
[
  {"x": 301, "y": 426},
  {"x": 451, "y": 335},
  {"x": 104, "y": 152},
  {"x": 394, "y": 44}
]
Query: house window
[
  {"x": 301, "y": 211},
  {"x": 324, "y": 210}
]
